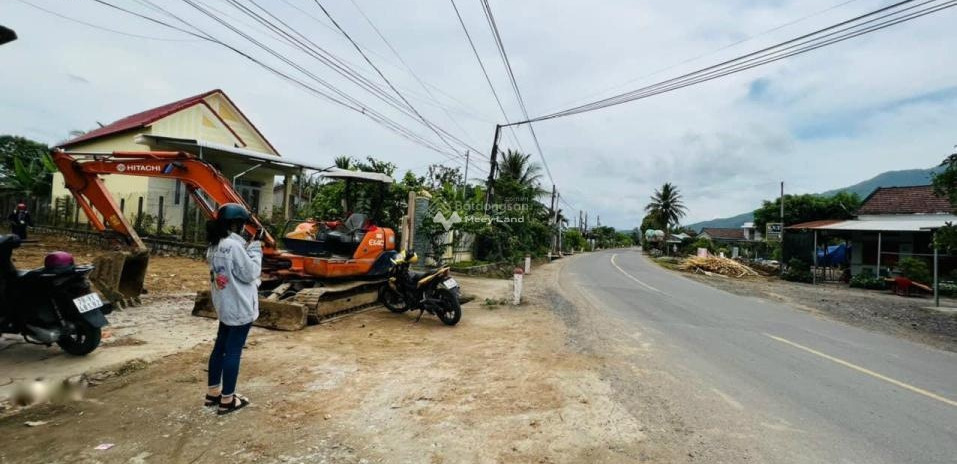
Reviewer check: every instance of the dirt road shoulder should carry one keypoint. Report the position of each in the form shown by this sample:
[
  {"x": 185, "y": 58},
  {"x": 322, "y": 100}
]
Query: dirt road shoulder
[{"x": 502, "y": 386}]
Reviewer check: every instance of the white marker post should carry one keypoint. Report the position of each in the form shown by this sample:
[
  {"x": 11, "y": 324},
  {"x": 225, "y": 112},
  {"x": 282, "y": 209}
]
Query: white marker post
[
  {"x": 517, "y": 286},
  {"x": 528, "y": 264}
]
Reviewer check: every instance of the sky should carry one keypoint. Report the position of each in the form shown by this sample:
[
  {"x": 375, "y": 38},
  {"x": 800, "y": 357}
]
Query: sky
[{"x": 818, "y": 121}]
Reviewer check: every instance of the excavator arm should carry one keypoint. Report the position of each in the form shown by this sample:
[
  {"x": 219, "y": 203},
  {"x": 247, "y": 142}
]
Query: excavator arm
[
  {"x": 82, "y": 173},
  {"x": 120, "y": 276}
]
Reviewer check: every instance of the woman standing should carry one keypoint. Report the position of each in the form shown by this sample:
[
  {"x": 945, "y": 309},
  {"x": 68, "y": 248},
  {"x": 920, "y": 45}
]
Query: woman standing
[{"x": 234, "y": 268}]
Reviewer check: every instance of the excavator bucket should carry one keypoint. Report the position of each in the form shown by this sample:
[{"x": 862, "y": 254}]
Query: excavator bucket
[
  {"x": 120, "y": 276},
  {"x": 272, "y": 314}
]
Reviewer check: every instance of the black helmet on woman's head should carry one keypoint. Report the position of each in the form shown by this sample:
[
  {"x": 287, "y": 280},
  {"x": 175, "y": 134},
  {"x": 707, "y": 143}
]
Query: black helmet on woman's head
[{"x": 232, "y": 212}]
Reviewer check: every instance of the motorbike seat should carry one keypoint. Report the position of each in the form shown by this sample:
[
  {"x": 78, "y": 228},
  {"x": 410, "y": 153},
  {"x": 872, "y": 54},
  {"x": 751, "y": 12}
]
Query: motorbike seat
[{"x": 416, "y": 276}]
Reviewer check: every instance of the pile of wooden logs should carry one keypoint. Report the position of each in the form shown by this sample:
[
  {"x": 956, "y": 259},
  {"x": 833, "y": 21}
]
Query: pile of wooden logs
[{"x": 716, "y": 265}]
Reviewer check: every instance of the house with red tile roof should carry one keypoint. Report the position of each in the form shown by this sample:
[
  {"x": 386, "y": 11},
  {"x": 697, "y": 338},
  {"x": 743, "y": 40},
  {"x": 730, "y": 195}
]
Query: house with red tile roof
[
  {"x": 891, "y": 224},
  {"x": 209, "y": 125}
]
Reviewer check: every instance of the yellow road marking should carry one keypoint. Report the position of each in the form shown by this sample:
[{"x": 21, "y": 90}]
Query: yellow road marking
[
  {"x": 649, "y": 287},
  {"x": 863, "y": 370}
]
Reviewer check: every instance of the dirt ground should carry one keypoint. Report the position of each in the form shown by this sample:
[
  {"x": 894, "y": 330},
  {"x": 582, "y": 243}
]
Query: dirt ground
[
  {"x": 501, "y": 386},
  {"x": 166, "y": 274},
  {"x": 908, "y": 317}
]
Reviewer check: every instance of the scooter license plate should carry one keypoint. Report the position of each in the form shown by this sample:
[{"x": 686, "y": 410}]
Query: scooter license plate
[
  {"x": 88, "y": 302},
  {"x": 450, "y": 284}
]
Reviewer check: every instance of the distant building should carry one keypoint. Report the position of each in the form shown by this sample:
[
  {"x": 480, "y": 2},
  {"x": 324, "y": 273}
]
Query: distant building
[
  {"x": 208, "y": 125},
  {"x": 892, "y": 223},
  {"x": 751, "y": 233},
  {"x": 725, "y": 235}
]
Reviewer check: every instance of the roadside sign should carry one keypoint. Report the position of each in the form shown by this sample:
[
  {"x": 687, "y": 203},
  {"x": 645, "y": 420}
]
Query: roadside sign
[{"x": 774, "y": 230}]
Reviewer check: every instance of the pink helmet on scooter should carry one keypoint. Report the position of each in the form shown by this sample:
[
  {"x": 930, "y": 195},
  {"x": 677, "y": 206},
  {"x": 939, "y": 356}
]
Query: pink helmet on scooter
[{"x": 58, "y": 260}]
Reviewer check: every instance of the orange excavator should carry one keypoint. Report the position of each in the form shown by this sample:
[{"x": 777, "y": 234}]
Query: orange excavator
[{"x": 332, "y": 268}]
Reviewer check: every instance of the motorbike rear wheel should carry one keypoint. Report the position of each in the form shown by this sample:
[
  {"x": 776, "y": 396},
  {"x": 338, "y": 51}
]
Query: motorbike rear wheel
[
  {"x": 83, "y": 340},
  {"x": 393, "y": 300},
  {"x": 450, "y": 311}
]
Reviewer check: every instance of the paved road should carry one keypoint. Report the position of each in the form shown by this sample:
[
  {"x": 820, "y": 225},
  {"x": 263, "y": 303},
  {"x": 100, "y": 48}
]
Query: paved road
[{"x": 799, "y": 387}]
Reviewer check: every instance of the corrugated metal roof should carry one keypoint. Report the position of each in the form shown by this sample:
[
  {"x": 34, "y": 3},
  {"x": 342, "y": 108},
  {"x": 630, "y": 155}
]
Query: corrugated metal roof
[
  {"x": 814, "y": 224},
  {"x": 879, "y": 225},
  {"x": 145, "y": 118},
  {"x": 140, "y": 119}
]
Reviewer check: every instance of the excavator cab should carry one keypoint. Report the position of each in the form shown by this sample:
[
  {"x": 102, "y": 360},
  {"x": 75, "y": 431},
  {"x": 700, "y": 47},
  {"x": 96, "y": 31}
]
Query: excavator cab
[{"x": 346, "y": 237}]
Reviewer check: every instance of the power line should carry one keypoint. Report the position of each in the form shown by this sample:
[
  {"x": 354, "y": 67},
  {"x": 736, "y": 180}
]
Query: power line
[
  {"x": 337, "y": 64},
  {"x": 407, "y": 67},
  {"x": 463, "y": 108},
  {"x": 354, "y": 104},
  {"x": 382, "y": 75},
  {"x": 799, "y": 45},
  {"x": 381, "y": 120},
  {"x": 722, "y": 48},
  {"x": 485, "y": 73},
  {"x": 102, "y": 28},
  {"x": 511, "y": 75}
]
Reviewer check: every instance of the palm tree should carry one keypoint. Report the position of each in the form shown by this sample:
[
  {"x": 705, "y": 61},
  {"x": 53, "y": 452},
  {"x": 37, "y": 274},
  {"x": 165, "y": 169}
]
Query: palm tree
[
  {"x": 518, "y": 167},
  {"x": 343, "y": 162},
  {"x": 666, "y": 204}
]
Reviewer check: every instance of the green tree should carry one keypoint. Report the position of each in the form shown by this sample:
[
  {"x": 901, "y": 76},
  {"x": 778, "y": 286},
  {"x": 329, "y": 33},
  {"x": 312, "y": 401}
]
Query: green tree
[
  {"x": 439, "y": 176},
  {"x": 25, "y": 167},
  {"x": 573, "y": 240},
  {"x": 667, "y": 205},
  {"x": 945, "y": 184},
  {"x": 804, "y": 208}
]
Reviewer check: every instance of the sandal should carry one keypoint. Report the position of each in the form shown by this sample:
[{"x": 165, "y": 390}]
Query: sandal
[
  {"x": 238, "y": 403},
  {"x": 212, "y": 401}
]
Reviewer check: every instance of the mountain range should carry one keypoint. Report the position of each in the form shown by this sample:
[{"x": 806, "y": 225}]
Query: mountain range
[{"x": 904, "y": 178}]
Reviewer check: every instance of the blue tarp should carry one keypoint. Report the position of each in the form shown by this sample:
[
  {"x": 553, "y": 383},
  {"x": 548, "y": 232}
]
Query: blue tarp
[{"x": 836, "y": 254}]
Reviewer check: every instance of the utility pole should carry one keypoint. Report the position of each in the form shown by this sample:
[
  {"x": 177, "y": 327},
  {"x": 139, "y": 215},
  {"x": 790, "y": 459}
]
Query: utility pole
[
  {"x": 465, "y": 178},
  {"x": 598, "y": 221},
  {"x": 580, "y": 222},
  {"x": 553, "y": 215},
  {"x": 551, "y": 209},
  {"x": 781, "y": 264},
  {"x": 493, "y": 163}
]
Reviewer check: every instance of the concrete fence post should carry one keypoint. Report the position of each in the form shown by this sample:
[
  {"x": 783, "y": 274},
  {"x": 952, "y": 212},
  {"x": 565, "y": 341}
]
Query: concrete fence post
[
  {"x": 528, "y": 264},
  {"x": 517, "y": 286}
]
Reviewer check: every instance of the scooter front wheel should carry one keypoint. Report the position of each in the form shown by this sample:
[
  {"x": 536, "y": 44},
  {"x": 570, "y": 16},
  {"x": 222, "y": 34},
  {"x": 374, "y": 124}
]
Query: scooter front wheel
[{"x": 449, "y": 311}]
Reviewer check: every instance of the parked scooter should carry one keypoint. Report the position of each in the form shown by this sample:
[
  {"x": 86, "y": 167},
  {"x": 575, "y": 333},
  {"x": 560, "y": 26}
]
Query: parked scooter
[
  {"x": 434, "y": 291},
  {"x": 52, "y": 304}
]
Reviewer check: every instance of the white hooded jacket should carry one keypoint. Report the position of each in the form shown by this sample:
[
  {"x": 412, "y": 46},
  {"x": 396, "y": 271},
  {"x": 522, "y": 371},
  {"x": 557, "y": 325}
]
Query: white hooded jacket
[{"x": 234, "y": 269}]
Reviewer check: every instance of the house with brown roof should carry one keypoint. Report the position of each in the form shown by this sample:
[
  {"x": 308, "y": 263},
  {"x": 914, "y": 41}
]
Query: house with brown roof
[
  {"x": 892, "y": 223},
  {"x": 727, "y": 235},
  {"x": 209, "y": 125}
]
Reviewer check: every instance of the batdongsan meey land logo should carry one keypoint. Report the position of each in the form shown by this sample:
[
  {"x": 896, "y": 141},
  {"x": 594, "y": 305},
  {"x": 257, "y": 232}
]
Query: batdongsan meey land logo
[
  {"x": 447, "y": 222},
  {"x": 447, "y": 213}
]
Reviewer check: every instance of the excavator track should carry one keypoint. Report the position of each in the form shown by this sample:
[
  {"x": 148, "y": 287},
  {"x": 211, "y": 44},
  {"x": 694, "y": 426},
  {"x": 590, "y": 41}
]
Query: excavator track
[
  {"x": 287, "y": 309},
  {"x": 335, "y": 301}
]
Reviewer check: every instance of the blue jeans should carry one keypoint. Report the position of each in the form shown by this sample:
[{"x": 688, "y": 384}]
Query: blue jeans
[{"x": 224, "y": 360}]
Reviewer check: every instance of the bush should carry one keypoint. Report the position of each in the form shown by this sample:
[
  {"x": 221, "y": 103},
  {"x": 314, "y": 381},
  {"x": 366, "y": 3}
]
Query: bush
[
  {"x": 868, "y": 281},
  {"x": 798, "y": 271},
  {"x": 690, "y": 247},
  {"x": 947, "y": 288},
  {"x": 915, "y": 269}
]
